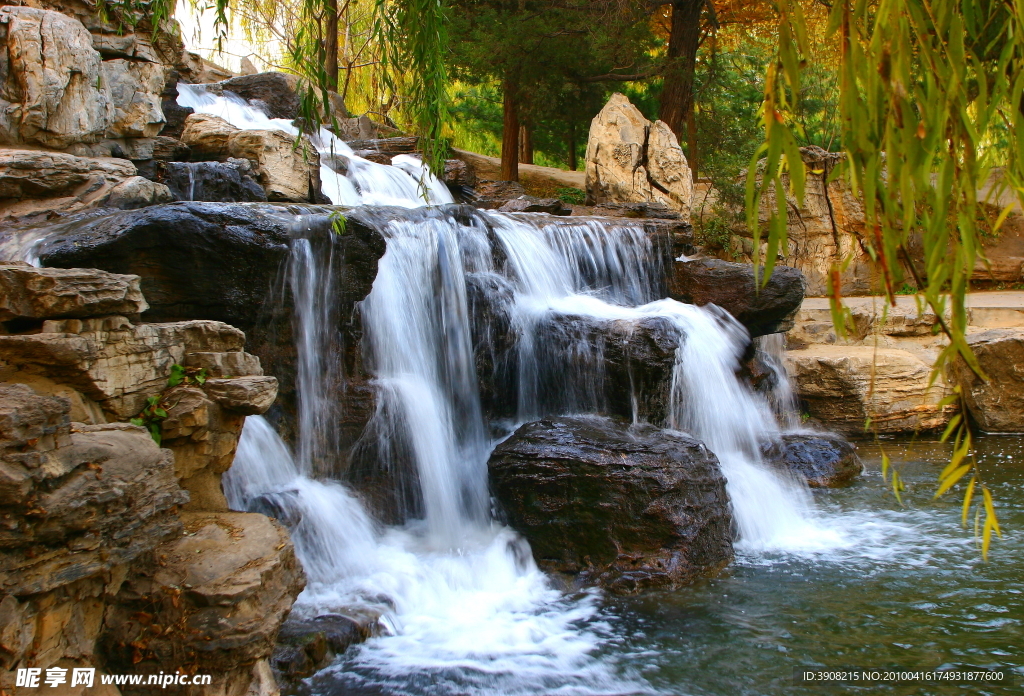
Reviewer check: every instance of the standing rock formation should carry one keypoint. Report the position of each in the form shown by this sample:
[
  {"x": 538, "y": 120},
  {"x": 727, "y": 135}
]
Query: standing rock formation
[
  {"x": 631, "y": 160},
  {"x": 626, "y": 508}
]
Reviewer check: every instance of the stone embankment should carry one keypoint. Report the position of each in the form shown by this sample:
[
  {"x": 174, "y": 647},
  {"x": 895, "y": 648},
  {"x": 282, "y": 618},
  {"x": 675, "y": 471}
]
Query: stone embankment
[
  {"x": 119, "y": 552},
  {"x": 880, "y": 374}
]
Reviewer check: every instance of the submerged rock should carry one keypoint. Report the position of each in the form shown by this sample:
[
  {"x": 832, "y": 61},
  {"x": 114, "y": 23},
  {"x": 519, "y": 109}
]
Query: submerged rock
[
  {"x": 732, "y": 287},
  {"x": 625, "y": 508},
  {"x": 996, "y": 405},
  {"x": 824, "y": 460}
]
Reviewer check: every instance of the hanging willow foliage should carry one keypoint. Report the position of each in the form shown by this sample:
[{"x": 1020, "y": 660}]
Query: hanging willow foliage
[{"x": 931, "y": 104}]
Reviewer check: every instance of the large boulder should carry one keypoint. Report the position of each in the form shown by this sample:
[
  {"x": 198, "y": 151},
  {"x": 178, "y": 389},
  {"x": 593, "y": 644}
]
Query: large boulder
[
  {"x": 274, "y": 92},
  {"x": 225, "y": 588},
  {"x": 996, "y": 404},
  {"x": 631, "y": 160},
  {"x": 849, "y": 388},
  {"x": 823, "y": 460},
  {"x": 732, "y": 286},
  {"x": 52, "y": 293},
  {"x": 626, "y": 508}
]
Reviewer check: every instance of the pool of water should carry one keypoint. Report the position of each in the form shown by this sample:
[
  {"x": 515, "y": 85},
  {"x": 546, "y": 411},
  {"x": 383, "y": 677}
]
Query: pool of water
[{"x": 905, "y": 588}]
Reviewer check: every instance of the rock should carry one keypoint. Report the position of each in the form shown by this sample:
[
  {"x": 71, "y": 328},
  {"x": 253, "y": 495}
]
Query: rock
[
  {"x": 50, "y": 293},
  {"x": 996, "y": 405},
  {"x": 645, "y": 209},
  {"x": 458, "y": 173},
  {"x": 307, "y": 645},
  {"x": 627, "y": 508},
  {"x": 225, "y": 364},
  {"x": 249, "y": 396},
  {"x": 169, "y": 149},
  {"x": 229, "y": 181},
  {"x": 120, "y": 45},
  {"x": 844, "y": 386},
  {"x": 631, "y": 160},
  {"x": 138, "y": 192},
  {"x": 732, "y": 287},
  {"x": 203, "y": 437},
  {"x": 53, "y": 69},
  {"x": 385, "y": 146},
  {"x": 35, "y": 174},
  {"x": 226, "y": 587},
  {"x": 529, "y": 204},
  {"x": 275, "y": 91},
  {"x": 133, "y": 91},
  {"x": 76, "y": 504},
  {"x": 287, "y": 172},
  {"x": 207, "y": 136},
  {"x": 110, "y": 360},
  {"x": 823, "y": 460},
  {"x": 223, "y": 262},
  {"x": 174, "y": 115}
]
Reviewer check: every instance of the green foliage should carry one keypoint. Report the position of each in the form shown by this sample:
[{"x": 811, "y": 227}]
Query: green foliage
[
  {"x": 929, "y": 102},
  {"x": 151, "y": 418},
  {"x": 339, "y": 225},
  {"x": 571, "y": 196},
  {"x": 715, "y": 231},
  {"x": 186, "y": 375}
]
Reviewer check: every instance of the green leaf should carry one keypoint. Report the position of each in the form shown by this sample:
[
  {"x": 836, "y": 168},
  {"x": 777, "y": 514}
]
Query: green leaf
[
  {"x": 138, "y": 421},
  {"x": 177, "y": 375}
]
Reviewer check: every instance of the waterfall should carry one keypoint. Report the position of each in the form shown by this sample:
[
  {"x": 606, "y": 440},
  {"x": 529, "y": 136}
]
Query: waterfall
[
  {"x": 346, "y": 179},
  {"x": 460, "y": 594}
]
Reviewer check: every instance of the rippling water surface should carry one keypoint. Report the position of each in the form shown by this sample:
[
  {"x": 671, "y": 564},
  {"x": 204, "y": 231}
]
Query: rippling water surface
[{"x": 905, "y": 587}]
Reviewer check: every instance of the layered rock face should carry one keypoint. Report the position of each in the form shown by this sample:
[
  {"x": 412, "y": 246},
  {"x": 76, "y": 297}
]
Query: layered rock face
[
  {"x": 90, "y": 521},
  {"x": 59, "y": 90},
  {"x": 626, "y": 508},
  {"x": 631, "y": 160}
]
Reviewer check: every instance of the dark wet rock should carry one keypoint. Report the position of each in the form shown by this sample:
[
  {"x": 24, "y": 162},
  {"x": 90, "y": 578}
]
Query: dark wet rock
[
  {"x": 531, "y": 204},
  {"x": 731, "y": 286},
  {"x": 275, "y": 91},
  {"x": 458, "y": 173},
  {"x": 174, "y": 115},
  {"x": 230, "y": 181},
  {"x": 625, "y": 508},
  {"x": 824, "y": 460}
]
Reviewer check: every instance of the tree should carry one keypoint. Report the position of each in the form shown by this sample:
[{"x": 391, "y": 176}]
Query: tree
[{"x": 539, "y": 51}]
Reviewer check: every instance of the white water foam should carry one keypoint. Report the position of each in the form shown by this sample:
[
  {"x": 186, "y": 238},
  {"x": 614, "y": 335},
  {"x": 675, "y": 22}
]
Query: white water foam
[{"x": 345, "y": 178}]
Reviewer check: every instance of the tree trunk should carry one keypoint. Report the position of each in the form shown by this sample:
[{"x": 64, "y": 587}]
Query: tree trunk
[
  {"x": 572, "y": 146},
  {"x": 510, "y": 134},
  {"x": 691, "y": 139},
  {"x": 525, "y": 145},
  {"x": 684, "y": 40},
  {"x": 331, "y": 43}
]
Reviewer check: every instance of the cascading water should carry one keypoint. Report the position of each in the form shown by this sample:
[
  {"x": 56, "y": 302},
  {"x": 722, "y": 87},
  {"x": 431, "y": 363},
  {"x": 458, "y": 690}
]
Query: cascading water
[
  {"x": 466, "y": 608},
  {"x": 345, "y": 178}
]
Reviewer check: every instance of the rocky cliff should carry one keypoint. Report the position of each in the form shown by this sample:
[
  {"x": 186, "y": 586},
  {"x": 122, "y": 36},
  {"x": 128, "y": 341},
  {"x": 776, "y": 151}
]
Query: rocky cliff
[{"x": 110, "y": 489}]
